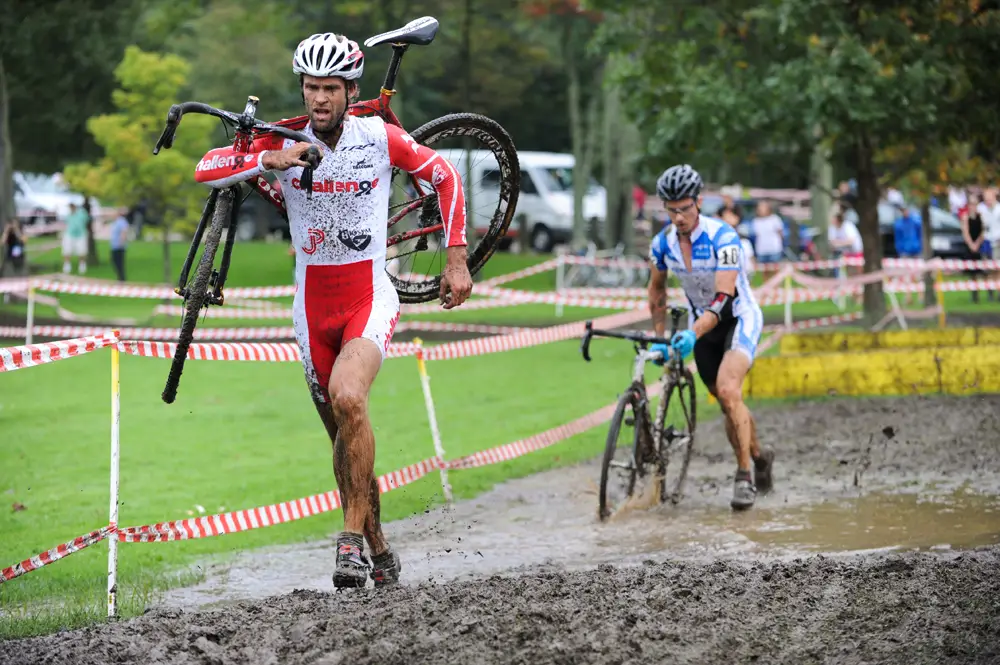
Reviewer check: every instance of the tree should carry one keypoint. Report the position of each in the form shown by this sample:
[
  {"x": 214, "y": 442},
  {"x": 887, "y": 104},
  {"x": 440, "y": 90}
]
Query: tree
[
  {"x": 855, "y": 76},
  {"x": 129, "y": 172},
  {"x": 573, "y": 26}
]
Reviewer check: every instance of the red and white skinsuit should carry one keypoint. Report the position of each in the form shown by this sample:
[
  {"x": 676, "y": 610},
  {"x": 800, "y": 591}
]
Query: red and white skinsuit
[{"x": 341, "y": 287}]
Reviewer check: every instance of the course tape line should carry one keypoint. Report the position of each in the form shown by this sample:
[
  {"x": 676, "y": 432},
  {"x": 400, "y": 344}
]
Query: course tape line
[
  {"x": 54, "y": 554},
  {"x": 30, "y": 355}
]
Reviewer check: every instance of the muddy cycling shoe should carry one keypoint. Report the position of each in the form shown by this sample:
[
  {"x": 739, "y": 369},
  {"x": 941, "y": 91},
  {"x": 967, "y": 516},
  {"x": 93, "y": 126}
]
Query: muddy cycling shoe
[
  {"x": 351, "y": 568},
  {"x": 762, "y": 470},
  {"x": 744, "y": 491},
  {"x": 385, "y": 568}
]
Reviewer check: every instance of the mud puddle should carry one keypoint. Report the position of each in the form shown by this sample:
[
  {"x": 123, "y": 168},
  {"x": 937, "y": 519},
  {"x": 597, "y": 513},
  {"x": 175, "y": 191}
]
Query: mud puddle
[{"x": 863, "y": 553}]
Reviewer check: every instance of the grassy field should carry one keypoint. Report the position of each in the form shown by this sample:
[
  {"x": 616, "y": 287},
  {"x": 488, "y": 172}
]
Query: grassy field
[{"x": 242, "y": 435}]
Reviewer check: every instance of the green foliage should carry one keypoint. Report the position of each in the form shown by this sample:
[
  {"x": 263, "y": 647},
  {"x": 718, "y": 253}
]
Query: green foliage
[
  {"x": 129, "y": 172},
  {"x": 59, "y": 58}
]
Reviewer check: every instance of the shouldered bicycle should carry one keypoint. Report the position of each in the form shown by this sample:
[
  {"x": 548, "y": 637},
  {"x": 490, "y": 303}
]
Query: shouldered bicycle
[
  {"x": 645, "y": 453},
  {"x": 477, "y": 132}
]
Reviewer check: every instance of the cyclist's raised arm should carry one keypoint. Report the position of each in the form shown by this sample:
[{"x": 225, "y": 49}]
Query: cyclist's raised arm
[
  {"x": 421, "y": 161},
  {"x": 224, "y": 167},
  {"x": 658, "y": 285}
]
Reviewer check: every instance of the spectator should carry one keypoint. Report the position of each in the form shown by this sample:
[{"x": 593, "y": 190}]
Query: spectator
[
  {"x": 847, "y": 196},
  {"x": 74, "y": 240},
  {"x": 957, "y": 199},
  {"x": 908, "y": 238},
  {"x": 844, "y": 239},
  {"x": 974, "y": 234},
  {"x": 119, "y": 241},
  {"x": 989, "y": 210},
  {"x": 729, "y": 211},
  {"x": 639, "y": 201},
  {"x": 12, "y": 242},
  {"x": 769, "y": 231}
]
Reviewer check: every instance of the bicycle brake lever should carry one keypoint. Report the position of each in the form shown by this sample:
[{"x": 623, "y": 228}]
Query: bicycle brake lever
[
  {"x": 313, "y": 157},
  {"x": 585, "y": 342},
  {"x": 166, "y": 139}
]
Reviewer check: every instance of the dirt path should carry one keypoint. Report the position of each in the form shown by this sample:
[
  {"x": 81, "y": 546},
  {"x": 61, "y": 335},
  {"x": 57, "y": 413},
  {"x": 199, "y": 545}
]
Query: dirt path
[{"x": 880, "y": 543}]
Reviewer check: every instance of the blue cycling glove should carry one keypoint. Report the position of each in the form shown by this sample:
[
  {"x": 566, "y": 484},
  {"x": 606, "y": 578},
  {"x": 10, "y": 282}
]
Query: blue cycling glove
[
  {"x": 662, "y": 348},
  {"x": 683, "y": 342}
]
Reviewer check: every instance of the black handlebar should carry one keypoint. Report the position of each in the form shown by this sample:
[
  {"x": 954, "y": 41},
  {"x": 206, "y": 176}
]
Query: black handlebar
[
  {"x": 642, "y": 339},
  {"x": 246, "y": 123}
]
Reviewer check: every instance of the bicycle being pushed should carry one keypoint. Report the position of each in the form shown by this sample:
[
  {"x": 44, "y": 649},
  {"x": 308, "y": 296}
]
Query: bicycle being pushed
[
  {"x": 644, "y": 454},
  {"x": 423, "y": 233}
]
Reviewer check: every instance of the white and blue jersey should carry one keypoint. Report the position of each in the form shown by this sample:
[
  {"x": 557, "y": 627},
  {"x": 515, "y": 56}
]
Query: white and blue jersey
[{"x": 715, "y": 247}]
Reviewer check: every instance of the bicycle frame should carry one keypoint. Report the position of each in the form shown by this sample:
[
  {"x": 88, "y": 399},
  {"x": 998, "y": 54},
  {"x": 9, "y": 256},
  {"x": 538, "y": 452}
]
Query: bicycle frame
[{"x": 382, "y": 107}]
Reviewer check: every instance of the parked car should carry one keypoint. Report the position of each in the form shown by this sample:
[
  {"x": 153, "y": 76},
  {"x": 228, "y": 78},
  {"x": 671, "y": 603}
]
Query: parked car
[
  {"x": 44, "y": 198},
  {"x": 946, "y": 231}
]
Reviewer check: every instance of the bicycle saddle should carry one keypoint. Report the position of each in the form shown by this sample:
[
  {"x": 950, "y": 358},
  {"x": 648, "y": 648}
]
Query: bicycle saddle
[{"x": 419, "y": 32}]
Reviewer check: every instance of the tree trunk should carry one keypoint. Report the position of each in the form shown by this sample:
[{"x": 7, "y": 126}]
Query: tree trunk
[
  {"x": 930, "y": 295},
  {"x": 868, "y": 190},
  {"x": 819, "y": 199},
  {"x": 612, "y": 159},
  {"x": 7, "y": 208}
]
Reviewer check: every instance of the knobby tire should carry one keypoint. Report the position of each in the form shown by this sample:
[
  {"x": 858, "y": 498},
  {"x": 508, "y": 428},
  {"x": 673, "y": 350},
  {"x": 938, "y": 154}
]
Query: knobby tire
[
  {"x": 610, "y": 446},
  {"x": 484, "y": 131},
  {"x": 198, "y": 292},
  {"x": 677, "y": 390}
]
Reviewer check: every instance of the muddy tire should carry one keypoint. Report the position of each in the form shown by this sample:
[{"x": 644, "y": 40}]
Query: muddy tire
[
  {"x": 489, "y": 135},
  {"x": 678, "y": 436},
  {"x": 198, "y": 292},
  {"x": 610, "y": 472}
]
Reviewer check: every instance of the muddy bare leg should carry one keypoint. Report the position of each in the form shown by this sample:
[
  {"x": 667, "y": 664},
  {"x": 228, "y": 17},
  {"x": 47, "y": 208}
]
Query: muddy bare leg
[{"x": 354, "y": 450}]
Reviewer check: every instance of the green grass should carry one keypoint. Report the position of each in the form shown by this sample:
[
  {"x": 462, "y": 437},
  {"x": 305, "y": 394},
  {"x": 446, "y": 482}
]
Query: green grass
[{"x": 243, "y": 435}]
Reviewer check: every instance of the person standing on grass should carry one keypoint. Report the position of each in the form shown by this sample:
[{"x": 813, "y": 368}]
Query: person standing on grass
[
  {"x": 74, "y": 240},
  {"x": 908, "y": 238},
  {"x": 12, "y": 243},
  {"x": 119, "y": 241},
  {"x": 974, "y": 234}
]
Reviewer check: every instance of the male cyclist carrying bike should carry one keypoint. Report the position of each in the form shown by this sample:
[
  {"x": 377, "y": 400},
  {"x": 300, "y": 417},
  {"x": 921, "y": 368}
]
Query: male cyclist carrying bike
[
  {"x": 345, "y": 307},
  {"x": 726, "y": 321}
]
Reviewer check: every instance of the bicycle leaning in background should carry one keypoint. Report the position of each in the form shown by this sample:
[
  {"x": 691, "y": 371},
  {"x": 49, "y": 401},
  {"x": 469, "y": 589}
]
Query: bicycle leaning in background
[
  {"x": 646, "y": 454},
  {"x": 477, "y": 132}
]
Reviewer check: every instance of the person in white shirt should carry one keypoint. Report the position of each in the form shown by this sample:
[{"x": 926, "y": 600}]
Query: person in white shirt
[
  {"x": 769, "y": 232},
  {"x": 989, "y": 212},
  {"x": 845, "y": 240}
]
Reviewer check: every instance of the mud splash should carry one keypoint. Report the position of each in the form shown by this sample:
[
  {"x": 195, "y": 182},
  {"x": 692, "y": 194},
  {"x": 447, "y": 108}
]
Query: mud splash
[{"x": 860, "y": 554}]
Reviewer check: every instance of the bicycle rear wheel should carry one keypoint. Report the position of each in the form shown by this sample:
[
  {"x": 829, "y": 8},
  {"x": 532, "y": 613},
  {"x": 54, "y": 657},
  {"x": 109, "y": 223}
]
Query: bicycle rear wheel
[
  {"x": 492, "y": 205},
  {"x": 677, "y": 421},
  {"x": 619, "y": 477},
  {"x": 198, "y": 291}
]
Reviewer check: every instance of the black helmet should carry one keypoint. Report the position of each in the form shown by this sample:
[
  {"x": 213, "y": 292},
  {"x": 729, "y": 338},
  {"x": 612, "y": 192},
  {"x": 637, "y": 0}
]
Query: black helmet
[{"x": 679, "y": 182}]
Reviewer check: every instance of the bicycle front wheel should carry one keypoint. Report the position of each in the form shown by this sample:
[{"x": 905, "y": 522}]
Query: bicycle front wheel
[
  {"x": 198, "y": 291},
  {"x": 627, "y": 450},
  {"x": 677, "y": 420},
  {"x": 485, "y": 158}
]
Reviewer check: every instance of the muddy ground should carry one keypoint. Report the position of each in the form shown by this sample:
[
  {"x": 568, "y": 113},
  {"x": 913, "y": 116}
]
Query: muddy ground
[{"x": 879, "y": 544}]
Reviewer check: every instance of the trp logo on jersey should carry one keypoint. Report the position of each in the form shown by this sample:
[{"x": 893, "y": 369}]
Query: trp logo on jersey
[
  {"x": 357, "y": 187},
  {"x": 316, "y": 238},
  {"x": 438, "y": 175},
  {"x": 221, "y": 161}
]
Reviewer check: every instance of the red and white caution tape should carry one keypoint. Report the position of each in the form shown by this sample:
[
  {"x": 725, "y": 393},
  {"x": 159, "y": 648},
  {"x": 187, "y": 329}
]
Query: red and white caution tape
[
  {"x": 255, "y": 518},
  {"x": 544, "y": 266},
  {"x": 17, "y": 357},
  {"x": 203, "y": 332},
  {"x": 819, "y": 322},
  {"x": 54, "y": 554}
]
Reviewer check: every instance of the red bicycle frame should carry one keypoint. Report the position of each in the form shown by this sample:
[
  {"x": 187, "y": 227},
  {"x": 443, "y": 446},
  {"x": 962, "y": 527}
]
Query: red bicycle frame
[{"x": 380, "y": 106}]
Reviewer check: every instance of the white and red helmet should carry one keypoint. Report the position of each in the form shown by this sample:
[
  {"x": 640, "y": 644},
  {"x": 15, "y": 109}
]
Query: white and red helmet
[{"x": 326, "y": 54}]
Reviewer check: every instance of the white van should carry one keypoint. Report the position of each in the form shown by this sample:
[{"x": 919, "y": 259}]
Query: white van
[{"x": 545, "y": 198}]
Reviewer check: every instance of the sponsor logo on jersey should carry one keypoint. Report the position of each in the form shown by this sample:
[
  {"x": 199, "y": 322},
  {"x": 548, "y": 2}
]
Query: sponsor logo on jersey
[
  {"x": 234, "y": 162},
  {"x": 356, "y": 240},
  {"x": 359, "y": 146},
  {"x": 316, "y": 238},
  {"x": 356, "y": 187},
  {"x": 364, "y": 164},
  {"x": 438, "y": 175}
]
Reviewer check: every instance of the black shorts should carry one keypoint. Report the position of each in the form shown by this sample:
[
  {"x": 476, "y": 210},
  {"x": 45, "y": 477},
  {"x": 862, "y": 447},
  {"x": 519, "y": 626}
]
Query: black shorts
[{"x": 709, "y": 350}]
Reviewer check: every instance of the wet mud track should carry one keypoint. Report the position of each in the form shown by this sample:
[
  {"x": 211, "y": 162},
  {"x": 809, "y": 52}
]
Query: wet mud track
[{"x": 880, "y": 543}]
